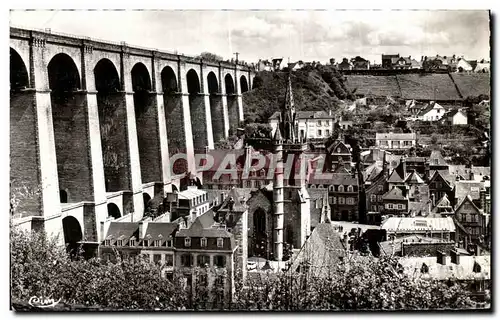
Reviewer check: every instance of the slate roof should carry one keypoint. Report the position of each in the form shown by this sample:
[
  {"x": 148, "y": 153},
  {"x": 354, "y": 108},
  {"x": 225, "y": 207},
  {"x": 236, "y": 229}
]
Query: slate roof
[
  {"x": 394, "y": 194},
  {"x": 390, "y": 247},
  {"x": 463, "y": 271},
  {"x": 371, "y": 172},
  {"x": 122, "y": 230},
  {"x": 345, "y": 179},
  {"x": 321, "y": 252},
  {"x": 414, "y": 178},
  {"x": 165, "y": 229},
  {"x": 428, "y": 108},
  {"x": 418, "y": 208},
  {"x": 480, "y": 172},
  {"x": 394, "y": 177},
  {"x": 436, "y": 155},
  {"x": 410, "y": 224}
]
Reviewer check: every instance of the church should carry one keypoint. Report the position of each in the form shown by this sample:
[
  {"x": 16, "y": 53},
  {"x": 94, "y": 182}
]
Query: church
[{"x": 279, "y": 217}]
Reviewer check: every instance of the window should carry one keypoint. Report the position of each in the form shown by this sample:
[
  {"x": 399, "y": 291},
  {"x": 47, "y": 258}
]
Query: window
[
  {"x": 220, "y": 242},
  {"x": 341, "y": 200},
  {"x": 107, "y": 242},
  {"x": 186, "y": 260},
  {"x": 318, "y": 203},
  {"x": 338, "y": 150},
  {"x": 380, "y": 188},
  {"x": 380, "y": 208},
  {"x": 327, "y": 132},
  {"x": 169, "y": 243},
  {"x": 350, "y": 200},
  {"x": 327, "y": 123},
  {"x": 220, "y": 261},
  {"x": 169, "y": 260},
  {"x": 157, "y": 243},
  {"x": 341, "y": 188},
  {"x": 379, "y": 197},
  {"x": 400, "y": 206},
  {"x": 331, "y": 188},
  {"x": 203, "y": 242},
  {"x": 187, "y": 242},
  {"x": 319, "y": 122},
  {"x": 389, "y": 206},
  {"x": 319, "y": 133},
  {"x": 156, "y": 258},
  {"x": 202, "y": 280},
  {"x": 373, "y": 197},
  {"x": 132, "y": 242},
  {"x": 119, "y": 243},
  {"x": 349, "y": 188},
  {"x": 203, "y": 261},
  {"x": 374, "y": 208},
  {"x": 330, "y": 200}
]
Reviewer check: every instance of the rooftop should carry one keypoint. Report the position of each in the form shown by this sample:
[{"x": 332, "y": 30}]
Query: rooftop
[{"x": 407, "y": 224}]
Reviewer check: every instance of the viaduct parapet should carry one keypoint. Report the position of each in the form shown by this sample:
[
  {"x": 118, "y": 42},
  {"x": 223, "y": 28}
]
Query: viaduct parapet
[{"x": 93, "y": 125}]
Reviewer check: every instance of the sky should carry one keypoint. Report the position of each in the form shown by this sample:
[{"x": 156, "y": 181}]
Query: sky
[{"x": 298, "y": 35}]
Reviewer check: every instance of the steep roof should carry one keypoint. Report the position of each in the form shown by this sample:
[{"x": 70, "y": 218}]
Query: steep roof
[
  {"x": 123, "y": 230},
  {"x": 394, "y": 177},
  {"x": 345, "y": 179},
  {"x": 390, "y": 247},
  {"x": 414, "y": 178},
  {"x": 429, "y": 107},
  {"x": 436, "y": 155},
  {"x": 321, "y": 251},
  {"x": 467, "y": 187},
  {"x": 161, "y": 230},
  {"x": 394, "y": 194}
]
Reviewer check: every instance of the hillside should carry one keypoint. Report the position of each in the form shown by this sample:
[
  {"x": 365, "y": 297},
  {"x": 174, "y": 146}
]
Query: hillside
[{"x": 321, "y": 88}]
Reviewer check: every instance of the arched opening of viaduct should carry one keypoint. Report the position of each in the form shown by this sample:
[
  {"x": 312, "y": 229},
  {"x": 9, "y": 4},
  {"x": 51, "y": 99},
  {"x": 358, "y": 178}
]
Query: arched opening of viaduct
[
  {"x": 174, "y": 117},
  {"x": 216, "y": 108},
  {"x": 24, "y": 172},
  {"x": 72, "y": 233},
  {"x": 197, "y": 110},
  {"x": 113, "y": 127},
  {"x": 69, "y": 116},
  {"x": 146, "y": 124},
  {"x": 243, "y": 84},
  {"x": 232, "y": 103}
]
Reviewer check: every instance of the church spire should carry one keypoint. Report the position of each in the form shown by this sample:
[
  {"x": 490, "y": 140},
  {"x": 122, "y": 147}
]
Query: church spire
[{"x": 289, "y": 121}]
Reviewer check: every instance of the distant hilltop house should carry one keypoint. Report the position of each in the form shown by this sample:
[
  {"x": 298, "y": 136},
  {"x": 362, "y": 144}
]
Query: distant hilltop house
[
  {"x": 345, "y": 65},
  {"x": 432, "y": 112},
  {"x": 440, "y": 63},
  {"x": 482, "y": 66},
  {"x": 312, "y": 124},
  {"x": 407, "y": 63},
  {"x": 359, "y": 63},
  {"x": 389, "y": 60},
  {"x": 395, "y": 141},
  {"x": 266, "y": 65}
]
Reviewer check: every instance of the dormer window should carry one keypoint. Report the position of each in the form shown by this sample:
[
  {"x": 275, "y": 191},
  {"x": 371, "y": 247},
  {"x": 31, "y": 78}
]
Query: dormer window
[
  {"x": 169, "y": 243},
  {"x": 119, "y": 243},
  {"x": 187, "y": 242},
  {"x": 338, "y": 150},
  {"x": 341, "y": 188},
  {"x": 349, "y": 189},
  {"x": 157, "y": 243},
  {"x": 220, "y": 242},
  {"x": 132, "y": 242},
  {"x": 203, "y": 242},
  {"x": 107, "y": 242}
]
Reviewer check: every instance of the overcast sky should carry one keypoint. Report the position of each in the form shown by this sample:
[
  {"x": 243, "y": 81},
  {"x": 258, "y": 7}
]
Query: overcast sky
[{"x": 306, "y": 35}]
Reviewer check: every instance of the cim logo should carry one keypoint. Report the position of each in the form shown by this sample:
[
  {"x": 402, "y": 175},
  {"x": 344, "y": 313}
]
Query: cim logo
[{"x": 42, "y": 302}]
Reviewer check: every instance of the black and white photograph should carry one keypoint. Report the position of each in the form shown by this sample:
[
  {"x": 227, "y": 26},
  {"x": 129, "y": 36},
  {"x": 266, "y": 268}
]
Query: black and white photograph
[{"x": 250, "y": 160}]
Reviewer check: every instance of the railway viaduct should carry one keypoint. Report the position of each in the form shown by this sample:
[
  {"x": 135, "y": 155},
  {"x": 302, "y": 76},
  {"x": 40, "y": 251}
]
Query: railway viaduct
[{"x": 93, "y": 125}]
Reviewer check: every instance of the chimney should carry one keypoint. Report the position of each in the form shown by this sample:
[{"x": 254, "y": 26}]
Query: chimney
[
  {"x": 482, "y": 198},
  {"x": 441, "y": 257},
  {"x": 455, "y": 256},
  {"x": 433, "y": 196}
]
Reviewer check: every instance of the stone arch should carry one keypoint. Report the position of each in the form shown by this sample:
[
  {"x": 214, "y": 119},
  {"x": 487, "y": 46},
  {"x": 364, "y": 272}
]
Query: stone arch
[
  {"x": 72, "y": 230},
  {"x": 216, "y": 108},
  {"x": 232, "y": 103},
  {"x": 70, "y": 123},
  {"x": 197, "y": 110},
  {"x": 63, "y": 74},
  {"x": 146, "y": 124},
  {"x": 112, "y": 120},
  {"x": 146, "y": 198},
  {"x": 113, "y": 211},
  {"x": 243, "y": 84},
  {"x": 18, "y": 72},
  {"x": 174, "y": 117}
]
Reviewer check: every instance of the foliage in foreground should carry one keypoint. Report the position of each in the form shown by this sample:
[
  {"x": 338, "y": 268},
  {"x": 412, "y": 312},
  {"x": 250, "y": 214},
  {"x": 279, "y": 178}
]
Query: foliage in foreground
[{"x": 40, "y": 268}]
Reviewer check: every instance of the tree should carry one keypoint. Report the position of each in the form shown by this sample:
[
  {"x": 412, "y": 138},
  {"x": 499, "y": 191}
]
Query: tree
[{"x": 208, "y": 56}]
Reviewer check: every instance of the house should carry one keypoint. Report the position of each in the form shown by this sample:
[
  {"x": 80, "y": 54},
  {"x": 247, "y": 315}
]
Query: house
[
  {"x": 398, "y": 227},
  {"x": 359, "y": 63},
  {"x": 276, "y": 63},
  {"x": 395, "y": 141},
  {"x": 343, "y": 197},
  {"x": 345, "y": 124},
  {"x": 473, "y": 271},
  {"x": 389, "y": 60},
  {"x": 264, "y": 65},
  {"x": 192, "y": 203},
  {"x": 205, "y": 255},
  {"x": 345, "y": 65},
  {"x": 415, "y": 246},
  {"x": 296, "y": 65},
  {"x": 432, "y": 112},
  {"x": 402, "y": 63},
  {"x": 440, "y": 185},
  {"x": 471, "y": 222},
  {"x": 455, "y": 117},
  {"x": 339, "y": 154},
  {"x": 312, "y": 124},
  {"x": 396, "y": 201}
]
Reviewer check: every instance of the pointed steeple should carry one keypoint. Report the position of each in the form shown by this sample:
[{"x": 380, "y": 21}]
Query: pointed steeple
[
  {"x": 277, "y": 135},
  {"x": 289, "y": 122}
]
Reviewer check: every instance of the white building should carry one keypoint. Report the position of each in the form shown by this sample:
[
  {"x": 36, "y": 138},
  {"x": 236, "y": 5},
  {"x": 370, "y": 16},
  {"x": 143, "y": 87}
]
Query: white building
[
  {"x": 395, "y": 140},
  {"x": 432, "y": 112},
  {"x": 193, "y": 200},
  {"x": 456, "y": 117},
  {"x": 312, "y": 124}
]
